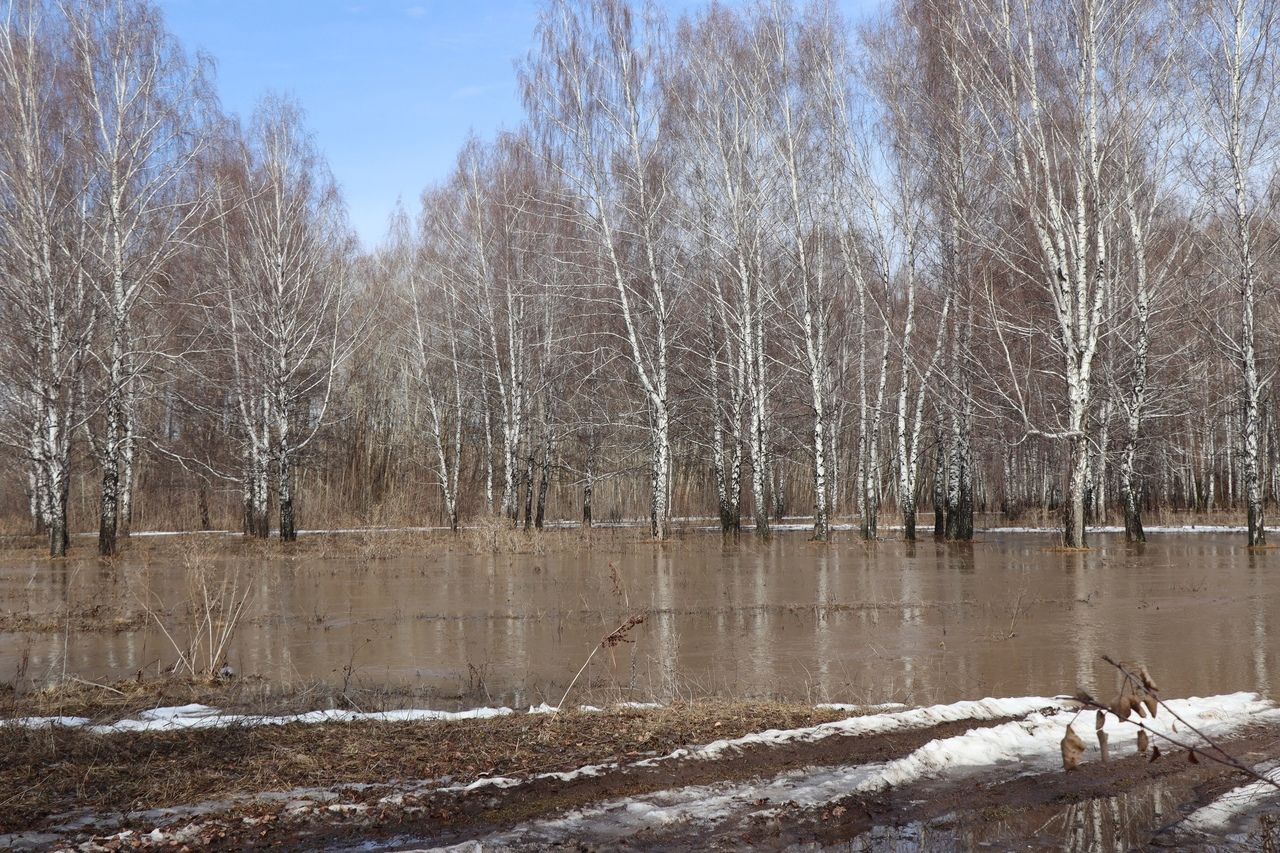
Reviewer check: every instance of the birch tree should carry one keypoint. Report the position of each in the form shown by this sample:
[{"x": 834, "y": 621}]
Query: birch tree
[
  {"x": 797, "y": 54},
  {"x": 281, "y": 309},
  {"x": 434, "y": 346},
  {"x": 143, "y": 106},
  {"x": 1236, "y": 79},
  {"x": 46, "y": 301},
  {"x": 720, "y": 94},
  {"x": 1044, "y": 89},
  {"x": 591, "y": 90}
]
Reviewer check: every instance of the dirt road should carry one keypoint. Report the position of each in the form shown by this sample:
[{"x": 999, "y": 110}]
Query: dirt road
[{"x": 971, "y": 774}]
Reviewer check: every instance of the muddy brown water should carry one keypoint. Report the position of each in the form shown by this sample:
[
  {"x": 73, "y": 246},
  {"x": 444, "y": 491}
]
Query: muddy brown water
[{"x": 791, "y": 620}]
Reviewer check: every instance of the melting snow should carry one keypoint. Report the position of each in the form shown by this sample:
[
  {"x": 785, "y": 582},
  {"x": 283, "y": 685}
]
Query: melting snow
[
  {"x": 1033, "y": 744},
  {"x": 1025, "y": 746},
  {"x": 916, "y": 718},
  {"x": 204, "y": 717}
]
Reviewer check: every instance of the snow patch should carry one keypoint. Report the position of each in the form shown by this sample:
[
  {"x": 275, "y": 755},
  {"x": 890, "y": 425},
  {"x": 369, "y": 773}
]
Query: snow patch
[
  {"x": 551, "y": 708},
  {"x": 185, "y": 717},
  {"x": 1033, "y": 744},
  {"x": 871, "y": 724},
  {"x": 915, "y": 718},
  {"x": 877, "y": 709},
  {"x": 1024, "y": 747},
  {"x": 195, "y": 716}
]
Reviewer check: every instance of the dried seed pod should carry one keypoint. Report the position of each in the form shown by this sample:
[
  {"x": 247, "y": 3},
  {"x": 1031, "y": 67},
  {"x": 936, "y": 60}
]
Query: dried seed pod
[
  {"x": 1072, "y": 749},
  {"x": 1143, "y": 741}
]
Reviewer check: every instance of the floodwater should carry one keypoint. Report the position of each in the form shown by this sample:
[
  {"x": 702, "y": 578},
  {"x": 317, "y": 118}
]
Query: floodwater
[{"x": 886, "y": 622}]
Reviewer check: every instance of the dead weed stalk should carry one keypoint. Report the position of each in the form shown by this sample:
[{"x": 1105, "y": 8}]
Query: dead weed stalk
[
  {"x": 200, "y": 628},
  {"x": 608, "y": 641}
]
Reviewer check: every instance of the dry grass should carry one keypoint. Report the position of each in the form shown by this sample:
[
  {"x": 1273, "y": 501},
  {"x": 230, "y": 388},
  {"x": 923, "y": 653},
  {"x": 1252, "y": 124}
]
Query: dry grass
[
  {"x": 116, "y": 700},
  {"x": 47, "y": 772},
  {"x": 83, "y": 617},
  {"x": 104, "y": 703},
  {"x": 200, "y": 628}
]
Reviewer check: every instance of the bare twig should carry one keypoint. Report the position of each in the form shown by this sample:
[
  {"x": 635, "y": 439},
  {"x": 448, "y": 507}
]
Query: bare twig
[{"x": 1211, "y": 750}]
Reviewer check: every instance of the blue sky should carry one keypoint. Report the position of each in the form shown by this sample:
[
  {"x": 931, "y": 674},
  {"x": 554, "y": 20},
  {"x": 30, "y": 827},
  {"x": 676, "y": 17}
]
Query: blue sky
[{"x": 391, "y": 89}]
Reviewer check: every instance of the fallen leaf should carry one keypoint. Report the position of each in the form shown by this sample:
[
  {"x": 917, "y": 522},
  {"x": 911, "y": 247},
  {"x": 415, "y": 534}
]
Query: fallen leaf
[{"x": 1072, "y": 749}]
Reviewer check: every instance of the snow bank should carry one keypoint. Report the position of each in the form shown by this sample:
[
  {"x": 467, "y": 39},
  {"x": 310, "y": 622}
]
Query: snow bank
[
  {"x": 1034, "y": 744},
  {"x": 871, "y": 724}
]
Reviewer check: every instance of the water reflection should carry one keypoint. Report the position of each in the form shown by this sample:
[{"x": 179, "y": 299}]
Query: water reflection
[
  {"x": 1140, "y": 818},
  {"x": 1008, "y": 615}
]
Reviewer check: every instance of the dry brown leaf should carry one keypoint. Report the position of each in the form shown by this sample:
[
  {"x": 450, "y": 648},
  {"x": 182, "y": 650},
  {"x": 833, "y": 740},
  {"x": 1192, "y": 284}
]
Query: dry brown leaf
[
  {"x": 1191, "y": 756},
  {"x": 1102, "y": 745},
  {"x": 1155, "y": 754},
  {"x": 1151, "y": 704},
  {"x": 1147, "y": 683},
  {"x": 1141, "y": 708},
  {"x": 1143, "y": 741},
  {"x": 1101, "y": 720},
  {"x": 1121, "y": 707},
  {"x": 1072, "y": 749}
]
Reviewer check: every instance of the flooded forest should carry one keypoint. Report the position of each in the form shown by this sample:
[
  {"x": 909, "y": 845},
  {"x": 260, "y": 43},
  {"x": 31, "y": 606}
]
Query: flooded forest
[
  {"x": 810, "y": 425},
  {"x": 745, "y": 263}
]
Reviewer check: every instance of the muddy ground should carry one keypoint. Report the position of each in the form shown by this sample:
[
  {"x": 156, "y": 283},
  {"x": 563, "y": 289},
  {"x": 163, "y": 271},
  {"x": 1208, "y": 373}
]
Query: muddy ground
[{"x": 420, "y": 786}]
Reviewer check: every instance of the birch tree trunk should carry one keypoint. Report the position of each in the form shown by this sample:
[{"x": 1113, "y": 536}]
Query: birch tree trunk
[{"x": 593, "y": 86}]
